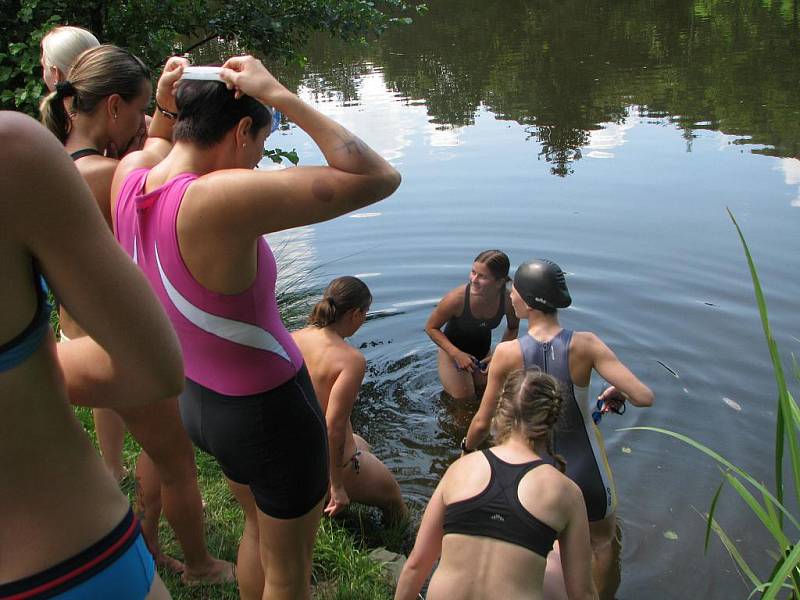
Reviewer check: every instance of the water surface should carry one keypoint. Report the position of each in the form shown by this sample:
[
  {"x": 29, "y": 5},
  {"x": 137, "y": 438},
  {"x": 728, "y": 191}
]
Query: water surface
[{"x": 609, "y": 137}]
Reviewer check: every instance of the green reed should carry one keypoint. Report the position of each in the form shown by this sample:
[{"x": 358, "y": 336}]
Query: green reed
[{"x": 766, "y": 505}]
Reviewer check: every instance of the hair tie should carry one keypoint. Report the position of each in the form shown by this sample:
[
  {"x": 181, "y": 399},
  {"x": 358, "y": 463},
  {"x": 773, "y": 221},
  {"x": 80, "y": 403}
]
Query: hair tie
[
  {"x": 331, "y": 302},
  {"x": 65, "y": 89}
]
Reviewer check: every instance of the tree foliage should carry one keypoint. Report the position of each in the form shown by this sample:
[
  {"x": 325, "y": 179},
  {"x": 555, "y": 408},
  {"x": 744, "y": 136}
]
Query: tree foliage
[{"x": 155, "y": 29}]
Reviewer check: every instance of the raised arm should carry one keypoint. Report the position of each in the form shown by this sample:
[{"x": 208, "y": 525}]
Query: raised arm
[
  {"x": 610, "y": 368},
  {"x": 133, "y": 355},
  {"x": 159, "y": 135},
  {"x": 337, "y": 416},
  {"x": 503, "y": 362},
  {"x": 442, "y": 313},
  {"x": 257, "y": 203},
  {"x": 427, "y": 548}
]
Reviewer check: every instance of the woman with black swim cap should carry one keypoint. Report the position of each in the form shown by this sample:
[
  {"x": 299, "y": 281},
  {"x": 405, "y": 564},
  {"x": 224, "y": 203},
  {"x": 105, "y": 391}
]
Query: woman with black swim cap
[
  {"x": 468, "y": 314},
  {"x": 538, "y": 292}
]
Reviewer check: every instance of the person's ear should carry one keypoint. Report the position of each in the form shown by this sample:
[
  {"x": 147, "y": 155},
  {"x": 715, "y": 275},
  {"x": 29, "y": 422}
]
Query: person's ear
[
  {"x": 243, "y": 132},
  {"x": 113, "y": 103}
]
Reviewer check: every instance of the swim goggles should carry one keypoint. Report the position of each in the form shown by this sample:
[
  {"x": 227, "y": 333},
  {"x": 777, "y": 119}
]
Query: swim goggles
[{"x": 601, "y": 407}]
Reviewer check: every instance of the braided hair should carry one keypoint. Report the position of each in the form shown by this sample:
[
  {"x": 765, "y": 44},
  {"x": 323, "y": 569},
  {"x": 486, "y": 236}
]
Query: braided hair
[{"x": 530, "y": 404}]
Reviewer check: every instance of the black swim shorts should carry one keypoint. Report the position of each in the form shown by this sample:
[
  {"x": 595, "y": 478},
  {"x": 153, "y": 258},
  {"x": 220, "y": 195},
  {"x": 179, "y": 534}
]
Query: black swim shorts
[{"x": 275, "y": 442}]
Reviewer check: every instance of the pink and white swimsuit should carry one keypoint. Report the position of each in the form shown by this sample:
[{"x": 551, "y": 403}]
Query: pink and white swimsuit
[{"x": 235, "y": 345}]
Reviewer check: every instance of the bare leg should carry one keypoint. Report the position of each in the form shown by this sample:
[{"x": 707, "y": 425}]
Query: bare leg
[
  {"x": 148, "y": 510},
  {"x": 110, "y": 431},
  {"x": 287, "y": 546},
  {"x": 158, "y": 590},
  {"x": 605, "y": 567},
  {"x": 249, "y": 572},
  {"x": 554, "y": 587},
  {"x": 159, "y": 430},
  {"x": 374, "y": 485},
  {"x": 457, "y": 383}
]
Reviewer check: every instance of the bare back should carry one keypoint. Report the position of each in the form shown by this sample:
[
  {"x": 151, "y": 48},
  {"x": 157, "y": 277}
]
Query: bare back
[{"x": 482, "y": 567}]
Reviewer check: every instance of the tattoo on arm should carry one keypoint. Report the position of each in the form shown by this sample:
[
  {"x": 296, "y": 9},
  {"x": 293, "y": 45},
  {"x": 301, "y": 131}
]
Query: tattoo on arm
[{"x": 351, "y": 143}]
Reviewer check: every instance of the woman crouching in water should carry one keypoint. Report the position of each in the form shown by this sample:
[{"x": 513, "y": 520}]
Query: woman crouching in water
[
  {"x": 337, "y": 370},
  {"x": 496, "y": 514}
]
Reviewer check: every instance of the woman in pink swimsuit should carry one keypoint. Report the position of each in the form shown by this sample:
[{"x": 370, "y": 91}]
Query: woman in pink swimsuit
[{"x": 193, "y": 214}]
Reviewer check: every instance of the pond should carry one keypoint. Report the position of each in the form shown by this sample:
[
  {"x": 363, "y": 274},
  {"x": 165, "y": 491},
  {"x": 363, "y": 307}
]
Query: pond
[{"x": 609, "y": 137}]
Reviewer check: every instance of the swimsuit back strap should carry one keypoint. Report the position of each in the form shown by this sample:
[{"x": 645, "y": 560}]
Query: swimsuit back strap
[{"x": 85, "y": 152}]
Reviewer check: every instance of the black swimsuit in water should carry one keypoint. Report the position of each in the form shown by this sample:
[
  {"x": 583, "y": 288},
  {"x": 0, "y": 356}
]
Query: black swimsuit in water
[
  {"x": 497, "y": 512},
  {"x": 471, "y": 335}
]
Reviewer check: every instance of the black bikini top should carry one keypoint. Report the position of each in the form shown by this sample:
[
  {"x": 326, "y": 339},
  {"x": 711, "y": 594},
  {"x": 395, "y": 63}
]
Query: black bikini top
[
  {"x": 497, "y": 513},
  {"x": 85, "y": 152}
]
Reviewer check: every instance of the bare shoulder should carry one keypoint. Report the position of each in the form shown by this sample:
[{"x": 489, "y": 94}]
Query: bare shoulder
[
  {"x": 548, "y": 493},
  {"x": 453, "y": 300},
  {"x": 465, "y": 478},
  {"x": 507, "y": 353},
  {"x": 586, "y": 343},
  {"x": 352, "y": 359}
]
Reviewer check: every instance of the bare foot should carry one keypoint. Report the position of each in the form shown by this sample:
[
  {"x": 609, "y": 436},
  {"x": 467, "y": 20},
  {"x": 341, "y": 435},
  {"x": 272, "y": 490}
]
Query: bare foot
[
  {"x": 170, "y": 563},
  {"x": 221, "y": 571}
]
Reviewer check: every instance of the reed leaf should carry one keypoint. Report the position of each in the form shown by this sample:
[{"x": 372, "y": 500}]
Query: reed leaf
[
  {"x": 730, "y": 546},
  {"x": 723, "y": 461},
  {"x": 774, "y": 527},
  {"x": 785, "y": 402},
  {"x": 789, "y": 564},
  {"x": 711, "y": 511}
]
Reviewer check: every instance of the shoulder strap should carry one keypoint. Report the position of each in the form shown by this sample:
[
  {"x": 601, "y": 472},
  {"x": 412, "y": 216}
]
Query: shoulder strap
[
  {"x": 467, "y": 312},
  {"x": 84, "y": 152}
]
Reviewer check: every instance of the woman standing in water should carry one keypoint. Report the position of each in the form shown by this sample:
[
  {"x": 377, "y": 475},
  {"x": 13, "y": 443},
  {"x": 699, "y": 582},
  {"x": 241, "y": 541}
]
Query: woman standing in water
[
  {"x": 337, "y": 371},
  {"x": 193, "y": 214},
  {"x": 469, "y": 314},
  {"x": 539, "y": 290},
  {"x": 66, "y": 530},
  {"x": 496, "y": 514},
  {"x": 107, "y": 92}
]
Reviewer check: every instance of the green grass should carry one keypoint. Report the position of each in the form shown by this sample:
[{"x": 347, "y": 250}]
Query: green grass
[
  {"x": 768, "y": 506},
  {"x": 342, "y": 568}
]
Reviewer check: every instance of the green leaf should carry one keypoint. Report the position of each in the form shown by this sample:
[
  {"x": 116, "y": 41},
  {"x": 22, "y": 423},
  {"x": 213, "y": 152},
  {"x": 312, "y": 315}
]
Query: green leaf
[
  {"x": 774, "y": 527},
  {"x": 785, "y": 402},
  {"x": 710, "y": 518},
  {"x": 791, "y": 562},
  {"x": 734, "y": 553},
  {"x": 723, "y": 461}
]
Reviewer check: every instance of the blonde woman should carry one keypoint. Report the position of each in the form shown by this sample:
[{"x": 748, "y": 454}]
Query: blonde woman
[
  {"x": 337, "y": 371},
  {"x": 60, "y": 47},
  {"x": 103, "y": 102},
  {"x": 496, "y": 514}
]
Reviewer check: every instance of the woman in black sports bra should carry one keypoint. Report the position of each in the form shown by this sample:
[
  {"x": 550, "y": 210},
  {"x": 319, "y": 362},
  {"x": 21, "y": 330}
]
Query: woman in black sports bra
[
  {"x": 496, "y": 515},
  {"x": 469, "y": 314}
]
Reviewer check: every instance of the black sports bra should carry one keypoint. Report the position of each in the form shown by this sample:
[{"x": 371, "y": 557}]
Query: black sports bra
[{"x": 497, "y": 513}]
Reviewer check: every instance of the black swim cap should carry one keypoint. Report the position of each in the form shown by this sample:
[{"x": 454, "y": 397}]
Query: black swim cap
[{"x": 541, "y": 285}]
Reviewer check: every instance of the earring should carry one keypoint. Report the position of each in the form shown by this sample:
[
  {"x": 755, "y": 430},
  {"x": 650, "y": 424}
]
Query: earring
[
  {"x": 115, "y": 116},
  {"x": 244, "y": 145}
]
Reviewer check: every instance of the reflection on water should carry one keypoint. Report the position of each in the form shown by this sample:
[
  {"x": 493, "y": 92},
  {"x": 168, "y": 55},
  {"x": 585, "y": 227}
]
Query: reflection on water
[{"x": 655, "y": 117}]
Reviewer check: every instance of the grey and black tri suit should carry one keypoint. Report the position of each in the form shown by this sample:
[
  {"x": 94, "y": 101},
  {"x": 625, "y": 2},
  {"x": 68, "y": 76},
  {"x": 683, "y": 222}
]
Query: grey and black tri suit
[{"x": 576, "y": 437}]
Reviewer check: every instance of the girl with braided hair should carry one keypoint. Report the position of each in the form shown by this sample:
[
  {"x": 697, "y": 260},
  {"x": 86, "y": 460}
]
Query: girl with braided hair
[{"x": 496, "y": 515}]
